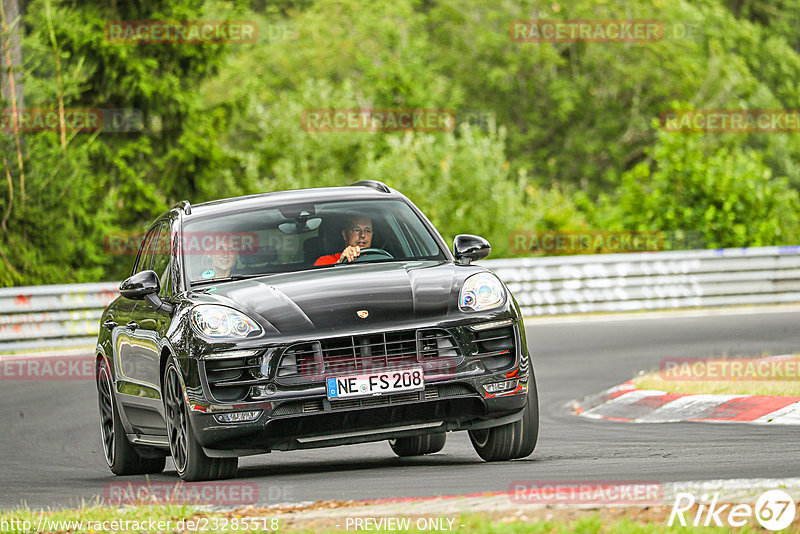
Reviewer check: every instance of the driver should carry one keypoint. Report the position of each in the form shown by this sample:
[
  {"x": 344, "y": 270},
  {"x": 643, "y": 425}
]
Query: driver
[
  {"x": 357, "y": 236},
  {"x": 222, "y": 259}
]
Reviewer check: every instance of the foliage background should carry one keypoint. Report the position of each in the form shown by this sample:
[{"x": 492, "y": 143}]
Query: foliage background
[{"x": 550, "y": 136}]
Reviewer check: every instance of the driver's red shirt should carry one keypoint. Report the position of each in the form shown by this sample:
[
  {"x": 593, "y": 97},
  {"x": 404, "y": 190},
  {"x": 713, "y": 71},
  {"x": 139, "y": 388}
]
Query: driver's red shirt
[{"x": 328, "y": 260}]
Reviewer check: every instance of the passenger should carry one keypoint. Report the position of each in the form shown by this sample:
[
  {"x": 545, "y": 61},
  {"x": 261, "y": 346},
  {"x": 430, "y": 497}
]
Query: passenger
[
  {"x": 222, "y": 260},
  {"x": 357, "y": 235}
]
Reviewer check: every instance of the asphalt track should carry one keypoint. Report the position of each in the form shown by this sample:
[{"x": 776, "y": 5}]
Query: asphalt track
[{"x": 50, "y": 447}]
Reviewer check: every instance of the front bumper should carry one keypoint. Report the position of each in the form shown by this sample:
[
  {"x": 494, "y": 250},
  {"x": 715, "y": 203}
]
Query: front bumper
[
  {"x": 465, "y": 409},
  {"x": 304, "y": 418}
]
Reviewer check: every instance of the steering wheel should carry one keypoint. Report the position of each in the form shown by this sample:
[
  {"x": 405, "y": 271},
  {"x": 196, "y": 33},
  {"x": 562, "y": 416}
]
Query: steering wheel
[{"x": 371, "y": 253}]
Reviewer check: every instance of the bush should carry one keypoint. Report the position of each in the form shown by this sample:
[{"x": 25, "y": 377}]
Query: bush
[{"x": 726, "y": 193}]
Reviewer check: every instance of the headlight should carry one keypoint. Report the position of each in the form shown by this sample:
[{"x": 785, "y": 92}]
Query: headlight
[
  {"x": 482, "y": 291},
  {"x": 220, "y": 321}
]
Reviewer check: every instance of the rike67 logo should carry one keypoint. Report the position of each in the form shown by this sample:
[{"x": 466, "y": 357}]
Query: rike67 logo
[{"x": 774, "y": 510}]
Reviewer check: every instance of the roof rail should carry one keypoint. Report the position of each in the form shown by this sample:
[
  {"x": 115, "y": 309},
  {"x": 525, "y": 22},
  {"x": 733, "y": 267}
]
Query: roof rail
[
  {"x": 185, "y": 206},
  {"x": 374, "y": 184}
]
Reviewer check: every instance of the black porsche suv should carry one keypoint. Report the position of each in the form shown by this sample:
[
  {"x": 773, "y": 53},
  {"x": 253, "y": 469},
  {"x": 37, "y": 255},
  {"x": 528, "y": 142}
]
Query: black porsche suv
[{"x": 245, "y": 328}]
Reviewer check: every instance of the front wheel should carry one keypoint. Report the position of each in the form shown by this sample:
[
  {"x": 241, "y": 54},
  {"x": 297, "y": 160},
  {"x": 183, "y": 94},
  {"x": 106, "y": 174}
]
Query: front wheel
[
  {"x": 120, "y": 454},
  {"x": 418, "y": 445},
  {"x": 514, "y": 440},
  {"x": 190, "y": 461}
]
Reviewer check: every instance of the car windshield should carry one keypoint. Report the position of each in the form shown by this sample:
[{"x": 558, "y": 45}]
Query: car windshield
[{"x": 307, "y": 236}]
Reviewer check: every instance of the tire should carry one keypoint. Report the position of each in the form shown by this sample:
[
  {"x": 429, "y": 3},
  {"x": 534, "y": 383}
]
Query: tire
[
  {"x": 120, "y": 454},
  {"x": 418, "y": 445},
  {"x": 514, "y": 440},
  {"x": 190, "y": 461}
]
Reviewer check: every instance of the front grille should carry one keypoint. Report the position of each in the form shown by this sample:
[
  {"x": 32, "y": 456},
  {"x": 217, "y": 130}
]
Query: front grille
[
  {"x": 230, "y": 378},
  {"x": 495, "y": 347},
  {"x": 346, "y": 404},
  {"x": 494, "y": 342},
  {"x": 430, "y": 393},
  {"x": 313, "y": 406},
  {"x": 406, "y": 397},
  {"x": 373, "y": 401},
  {"x": 317, "y": 405},
  {"x": 433, "y": 348}
]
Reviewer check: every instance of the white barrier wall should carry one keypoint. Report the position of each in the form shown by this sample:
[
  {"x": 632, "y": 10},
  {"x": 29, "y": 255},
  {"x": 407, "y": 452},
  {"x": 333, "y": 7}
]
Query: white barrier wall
[
  {"x": 52, "y": 316},
  {"x": 652, "y": 280}
]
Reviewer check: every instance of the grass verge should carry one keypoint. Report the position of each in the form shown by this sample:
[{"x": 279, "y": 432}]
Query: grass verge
[{"x": 726, "y": 376}]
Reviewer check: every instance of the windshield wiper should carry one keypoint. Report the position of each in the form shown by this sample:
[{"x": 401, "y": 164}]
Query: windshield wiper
[
  {"x": 227, "y": 278},
  {"x": 380, "y": 260}
]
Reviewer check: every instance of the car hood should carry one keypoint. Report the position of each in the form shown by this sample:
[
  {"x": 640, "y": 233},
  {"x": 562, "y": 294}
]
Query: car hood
[{"x": 330, "y": 299}]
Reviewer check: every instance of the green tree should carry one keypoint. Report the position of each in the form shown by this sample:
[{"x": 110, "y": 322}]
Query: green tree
[
  {"x": 82, "y": 186},
  {"x": 727, "y": 194}
]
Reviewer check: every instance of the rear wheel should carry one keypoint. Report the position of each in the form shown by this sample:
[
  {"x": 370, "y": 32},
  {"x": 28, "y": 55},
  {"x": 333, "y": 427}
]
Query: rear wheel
[
  {"x": 190, "y": 461},
  {"x": 120, "y": 454},
  {"x": 514, "y": 440},
  {"x": 418, "y": 445}
]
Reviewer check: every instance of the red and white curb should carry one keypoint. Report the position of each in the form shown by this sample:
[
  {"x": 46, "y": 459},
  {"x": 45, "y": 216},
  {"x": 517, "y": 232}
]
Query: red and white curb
[{"x": 628, "y": 403}]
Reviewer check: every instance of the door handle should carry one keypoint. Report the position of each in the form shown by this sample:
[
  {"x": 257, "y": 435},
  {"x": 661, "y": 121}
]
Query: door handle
[
  {"x": 110, "y": 325},
  {"x": 133, "y": 325}
]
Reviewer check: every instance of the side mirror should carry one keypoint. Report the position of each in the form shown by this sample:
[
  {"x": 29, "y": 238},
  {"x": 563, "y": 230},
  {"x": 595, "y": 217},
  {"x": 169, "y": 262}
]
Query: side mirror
[
  {"x": 468, "y": 248},
  {"x": 141, "y": 284},
  {"x": 145, "y": 286}
]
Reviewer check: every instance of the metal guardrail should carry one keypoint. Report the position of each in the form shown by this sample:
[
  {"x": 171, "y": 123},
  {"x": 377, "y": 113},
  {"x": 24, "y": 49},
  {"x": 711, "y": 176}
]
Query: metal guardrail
[
  {"x": 67, "y": 315},
  {"x": 52, "y": 316},
  {"x": 652, "y": 280}
]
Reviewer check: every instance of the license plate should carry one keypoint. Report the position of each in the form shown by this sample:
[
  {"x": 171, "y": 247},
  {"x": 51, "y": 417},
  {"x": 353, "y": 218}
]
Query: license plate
[{"x": 342, "y": 387}]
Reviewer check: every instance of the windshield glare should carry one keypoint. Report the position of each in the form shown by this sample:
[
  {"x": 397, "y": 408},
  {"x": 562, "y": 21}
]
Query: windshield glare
[{"x": 308, "y": 236}]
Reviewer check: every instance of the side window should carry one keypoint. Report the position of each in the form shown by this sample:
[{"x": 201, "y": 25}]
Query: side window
[
  {"x": 161, "y": 257},
  {"x": 145, "y": 257}
]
